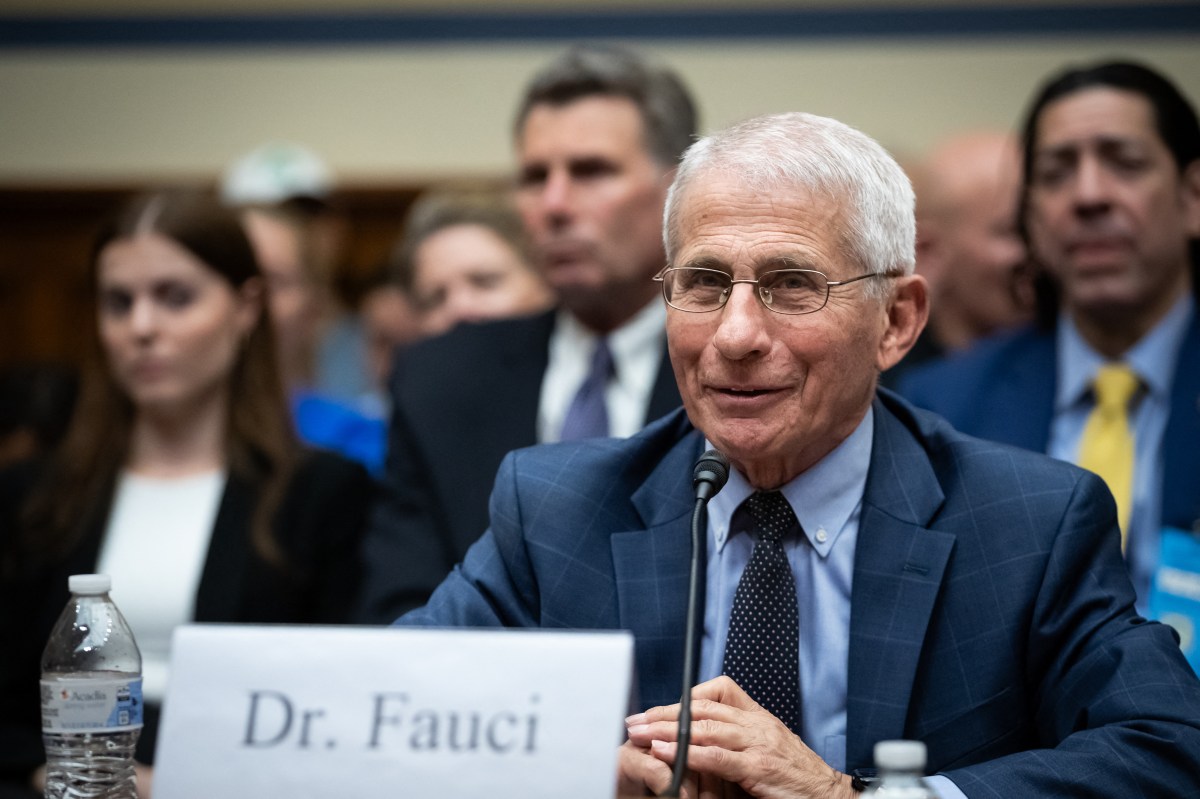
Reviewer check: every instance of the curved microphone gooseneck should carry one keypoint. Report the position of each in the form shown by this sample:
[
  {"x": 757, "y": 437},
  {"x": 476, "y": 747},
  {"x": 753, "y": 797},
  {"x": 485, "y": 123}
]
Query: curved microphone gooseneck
[{"x": 709, "y": 477}]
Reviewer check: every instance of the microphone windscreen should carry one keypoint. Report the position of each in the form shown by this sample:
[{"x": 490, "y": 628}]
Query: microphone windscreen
[{"x": 712, "y": 468}]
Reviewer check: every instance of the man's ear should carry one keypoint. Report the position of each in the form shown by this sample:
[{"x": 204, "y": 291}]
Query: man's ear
[{"x": 906, "y": 314}]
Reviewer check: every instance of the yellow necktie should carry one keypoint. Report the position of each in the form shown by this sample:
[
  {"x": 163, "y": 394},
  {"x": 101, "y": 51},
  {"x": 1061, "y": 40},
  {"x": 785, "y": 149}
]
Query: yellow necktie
[{"x": 1107, "y": 444}]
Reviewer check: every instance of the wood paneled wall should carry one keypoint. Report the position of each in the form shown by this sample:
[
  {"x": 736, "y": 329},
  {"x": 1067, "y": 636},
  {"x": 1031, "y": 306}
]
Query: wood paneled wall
[{"x": 46, "y": 238}]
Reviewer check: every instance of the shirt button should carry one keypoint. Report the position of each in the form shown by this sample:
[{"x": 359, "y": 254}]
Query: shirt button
[{"x": 822, "y": 536}]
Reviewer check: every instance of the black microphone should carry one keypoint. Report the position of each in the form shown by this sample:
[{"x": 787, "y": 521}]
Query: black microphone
[{"x": 709, "y": 477}]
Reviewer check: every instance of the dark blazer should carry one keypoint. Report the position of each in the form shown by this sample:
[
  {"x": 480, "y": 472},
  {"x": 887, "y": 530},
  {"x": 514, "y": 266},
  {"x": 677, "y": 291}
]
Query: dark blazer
[
  {"x": 319, "y": 526},
  {"x": 1003, "y": 390},
  {"x": 990, "y": 610},
  {"x": 461, "y": 402}
]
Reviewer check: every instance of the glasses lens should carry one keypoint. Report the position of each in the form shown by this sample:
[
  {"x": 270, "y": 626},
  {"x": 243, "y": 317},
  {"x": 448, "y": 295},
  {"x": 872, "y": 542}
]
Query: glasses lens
[
  {"x": 696, "y": 289},
  {"x": 793, "y": 291}
]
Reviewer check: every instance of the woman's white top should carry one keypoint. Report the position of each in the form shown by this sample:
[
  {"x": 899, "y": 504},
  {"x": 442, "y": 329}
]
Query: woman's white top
[{"x": 154, "y": 548}]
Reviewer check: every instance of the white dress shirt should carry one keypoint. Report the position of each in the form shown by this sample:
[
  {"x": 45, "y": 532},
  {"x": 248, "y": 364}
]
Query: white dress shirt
[
  {"x": 155, "y": 547},
  {"x": 637, "y": 350}
]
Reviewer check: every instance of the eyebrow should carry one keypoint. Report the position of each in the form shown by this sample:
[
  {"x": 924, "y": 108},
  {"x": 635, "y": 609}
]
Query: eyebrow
[
  {"x": 1106, "y": 142},
  {"x": 769, "y": 265}
]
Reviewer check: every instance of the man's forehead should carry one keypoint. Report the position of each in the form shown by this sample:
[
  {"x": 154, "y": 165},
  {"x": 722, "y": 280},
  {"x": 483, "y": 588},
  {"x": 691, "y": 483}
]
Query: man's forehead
[
  {"x": 728, "y": 220},
  {"x": 1096, "y": 115},
  {"x": 719, "y": 197},
  {"x": 582, "y": 127}
]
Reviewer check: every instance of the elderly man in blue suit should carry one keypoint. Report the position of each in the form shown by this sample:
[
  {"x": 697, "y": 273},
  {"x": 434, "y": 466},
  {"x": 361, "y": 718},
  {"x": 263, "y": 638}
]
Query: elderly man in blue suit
[
  {"x": 914, "y": 582},
  {"x": 1111, "y": 211}
]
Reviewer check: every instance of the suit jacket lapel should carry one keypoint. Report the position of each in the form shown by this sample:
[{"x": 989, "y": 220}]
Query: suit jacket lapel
[
  {"x": 523, "y": 359},
  {"x": 651, "y": 567},
  {"x": 1181, "y": 444},
  {"x": 508, "y": 409},
  {"x": 898, "y": 569},
  {"x": 228, "y": 555},
  {"x": 500, "y": 419},
  {"x": 1030, "y": 385}
]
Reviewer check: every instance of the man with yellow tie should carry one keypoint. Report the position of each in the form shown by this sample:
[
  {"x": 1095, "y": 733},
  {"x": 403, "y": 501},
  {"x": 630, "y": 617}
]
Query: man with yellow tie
[{"x": 1109, "y": 377}]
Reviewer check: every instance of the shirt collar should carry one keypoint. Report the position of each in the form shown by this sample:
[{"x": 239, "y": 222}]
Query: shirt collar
[
  {"x": 824, "y": 497},
  {"x": 641, "y": 334},
  {"x": 1152, "y": 358}
]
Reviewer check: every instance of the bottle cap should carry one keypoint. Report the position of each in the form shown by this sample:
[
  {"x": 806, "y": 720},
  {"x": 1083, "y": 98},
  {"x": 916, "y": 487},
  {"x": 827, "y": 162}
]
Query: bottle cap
[
  {"x": 89, "y": 583},
  {"x": 900, "y": 756}
]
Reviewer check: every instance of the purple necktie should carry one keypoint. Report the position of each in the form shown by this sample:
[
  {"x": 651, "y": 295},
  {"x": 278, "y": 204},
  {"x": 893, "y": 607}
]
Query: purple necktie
[{"x": 588, "y": 417}]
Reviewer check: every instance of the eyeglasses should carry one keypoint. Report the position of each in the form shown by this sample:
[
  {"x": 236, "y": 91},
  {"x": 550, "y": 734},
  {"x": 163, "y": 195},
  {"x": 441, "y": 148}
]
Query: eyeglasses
[{"x": 786, "y": 291}]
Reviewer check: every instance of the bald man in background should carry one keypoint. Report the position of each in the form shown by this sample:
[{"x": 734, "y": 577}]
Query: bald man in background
[{"x": 968, "y": 248}]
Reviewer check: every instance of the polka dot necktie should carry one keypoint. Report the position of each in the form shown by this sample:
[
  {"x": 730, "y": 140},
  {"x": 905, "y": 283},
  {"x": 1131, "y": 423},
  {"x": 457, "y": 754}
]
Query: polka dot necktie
[{"x": 762, "y": 653}]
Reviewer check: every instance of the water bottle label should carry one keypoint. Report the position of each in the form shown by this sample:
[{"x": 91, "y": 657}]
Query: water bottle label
[{"x": 91, "y": 705}]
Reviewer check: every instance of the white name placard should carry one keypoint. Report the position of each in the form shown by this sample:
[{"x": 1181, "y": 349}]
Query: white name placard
[{"x": 293, "y": 712}]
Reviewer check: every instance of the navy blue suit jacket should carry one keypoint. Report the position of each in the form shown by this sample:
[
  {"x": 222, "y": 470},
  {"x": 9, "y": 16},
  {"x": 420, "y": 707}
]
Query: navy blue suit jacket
[
  {"x": 1003, "y": 390},
  {"x": 990, "y": 611}
]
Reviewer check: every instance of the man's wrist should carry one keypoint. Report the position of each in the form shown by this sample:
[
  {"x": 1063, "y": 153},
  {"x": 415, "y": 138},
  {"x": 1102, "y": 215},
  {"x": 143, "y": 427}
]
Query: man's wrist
[
  {"x": 863, "y": 778},
  {"x": 842, "y": 787}
]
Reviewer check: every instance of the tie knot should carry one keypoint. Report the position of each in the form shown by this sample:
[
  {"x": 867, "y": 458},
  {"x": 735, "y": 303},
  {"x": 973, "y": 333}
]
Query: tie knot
[
  {"x": 1115, "y": 384},
  {"x": 602, "y": 360},
  {"x": 772, "y": 514}
]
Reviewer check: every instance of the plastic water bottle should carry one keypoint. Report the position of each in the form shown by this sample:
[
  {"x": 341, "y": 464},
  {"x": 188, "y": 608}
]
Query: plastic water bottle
[
  {"x": 91, "y": 697},
  {"x": 901, "y": 766}
]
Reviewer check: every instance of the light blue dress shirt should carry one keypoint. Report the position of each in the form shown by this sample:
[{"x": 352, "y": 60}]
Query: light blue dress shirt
[
  {"x": 1153, "y": 358},
  {"x": 827, "y": 500}
]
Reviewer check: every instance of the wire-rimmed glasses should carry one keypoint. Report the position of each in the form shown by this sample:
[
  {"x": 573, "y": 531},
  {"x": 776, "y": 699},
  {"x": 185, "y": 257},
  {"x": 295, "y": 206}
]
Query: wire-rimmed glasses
[{"x": 788, "y": 291}]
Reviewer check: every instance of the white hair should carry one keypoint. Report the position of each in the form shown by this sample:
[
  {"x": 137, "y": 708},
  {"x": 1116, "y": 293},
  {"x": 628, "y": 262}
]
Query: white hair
[{"x": 820, "y": 156}]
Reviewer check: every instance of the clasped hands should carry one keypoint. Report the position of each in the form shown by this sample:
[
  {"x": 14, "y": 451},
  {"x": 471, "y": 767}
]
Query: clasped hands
[{"x": 737, "y": 749}]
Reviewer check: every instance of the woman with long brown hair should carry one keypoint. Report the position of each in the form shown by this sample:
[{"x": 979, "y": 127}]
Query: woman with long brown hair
[{"x": 180, "y": 474}]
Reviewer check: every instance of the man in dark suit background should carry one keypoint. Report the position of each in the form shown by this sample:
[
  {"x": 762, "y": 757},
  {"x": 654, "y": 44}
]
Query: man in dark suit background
[
  {"x": 1111, "y": 210},
  {"x": 598, "y": 135},
  {"x": 919, "y": 583}
]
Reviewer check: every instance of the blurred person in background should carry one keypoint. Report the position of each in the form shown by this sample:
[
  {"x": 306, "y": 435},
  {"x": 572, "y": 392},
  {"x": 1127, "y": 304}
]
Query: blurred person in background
[
  {"x": 297, "y": 184},
  {"x": 36, "y": 400},
  {"x": 597, "y": 135},
  {"x": 179, "y": 475},
  {"x": 282, "y": 191},
  {"x": 1110, "y": 208},
  {"x": 389, "y": 320},
  {"x": 299, "y": 297},
  {"x": 968, "y": 247},
  {"x": 464, "y": 257}
]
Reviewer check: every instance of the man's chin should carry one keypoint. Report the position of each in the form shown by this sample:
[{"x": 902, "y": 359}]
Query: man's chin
[
  {"x": 575, "y": 275},
  {"x": 584, "y": 293},
  {"x": 745, "y": 443},
  {"x": 1106, "y": 300}
]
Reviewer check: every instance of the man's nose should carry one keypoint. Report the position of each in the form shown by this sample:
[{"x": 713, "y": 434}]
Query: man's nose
[
  {"x": 557, "y": 195},
  {"x": 742, "y": 331},
  {"x": 1092, "y": 187}
]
